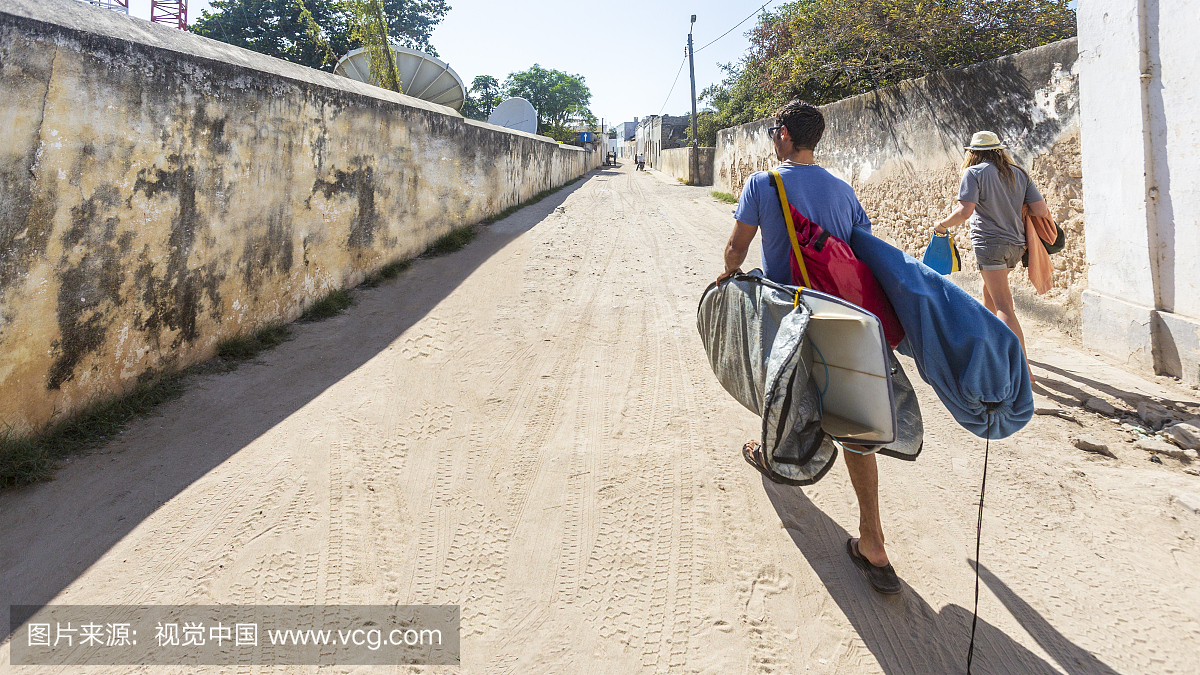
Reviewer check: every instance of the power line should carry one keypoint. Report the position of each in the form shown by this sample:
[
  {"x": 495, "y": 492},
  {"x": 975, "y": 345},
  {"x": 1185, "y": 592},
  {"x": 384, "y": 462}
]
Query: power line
[
  {"x": 664, "y": 105},
  {"x": 755, "y": 13},
  {"x": 740, "y": 23}
]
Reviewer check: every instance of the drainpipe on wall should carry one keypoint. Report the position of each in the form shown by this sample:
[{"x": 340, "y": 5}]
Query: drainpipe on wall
[
  {"x": 1164, "y": 352},
  {"x": 1147, "y": 77}
]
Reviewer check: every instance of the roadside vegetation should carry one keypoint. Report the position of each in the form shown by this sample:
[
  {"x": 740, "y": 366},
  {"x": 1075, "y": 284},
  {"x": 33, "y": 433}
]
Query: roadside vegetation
[
  {"x": 560, "y": 99},
  {"x": 822, "y": 51},
  {"x": 328, "y": 306},
  {"x": 243, "y": 347},
  {"x": 724, "y": 196},
  {"x": 32, "y": 459}
]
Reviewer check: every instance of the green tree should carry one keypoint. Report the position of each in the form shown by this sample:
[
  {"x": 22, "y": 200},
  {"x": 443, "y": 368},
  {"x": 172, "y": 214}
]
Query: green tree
[
  {"x": 560, "y": 100},
  {"x": 482, "y": 98},
  {"x": 314, "y": 33},
  {"x": 707, "y": 126},
  {"x": 825, "y": 50},
  {"x": 371, "y": 30}
]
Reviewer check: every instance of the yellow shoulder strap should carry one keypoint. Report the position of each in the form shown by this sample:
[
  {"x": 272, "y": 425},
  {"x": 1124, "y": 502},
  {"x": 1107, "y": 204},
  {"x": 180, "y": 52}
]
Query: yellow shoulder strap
[{"x": 787, "y": 216}]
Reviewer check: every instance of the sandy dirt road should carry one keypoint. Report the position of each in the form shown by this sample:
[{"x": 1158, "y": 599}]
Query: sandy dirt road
[{"x": 529, "y": 428}]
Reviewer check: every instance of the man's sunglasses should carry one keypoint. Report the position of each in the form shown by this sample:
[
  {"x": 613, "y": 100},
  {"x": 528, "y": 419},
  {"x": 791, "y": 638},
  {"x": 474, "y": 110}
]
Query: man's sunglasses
[{"x": 771, "y": 130}]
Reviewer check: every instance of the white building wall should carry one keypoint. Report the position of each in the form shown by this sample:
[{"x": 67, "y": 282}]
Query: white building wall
[
  {"x": 1174, "y": 102},
  {"x": 1114, "y": 168},
  {"x": 1141, "y": 167}
]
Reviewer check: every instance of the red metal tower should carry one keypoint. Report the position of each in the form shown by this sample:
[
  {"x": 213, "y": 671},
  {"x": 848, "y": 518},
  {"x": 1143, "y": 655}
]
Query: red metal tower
[
  {"x": 118, "y": 5},
  {"x": 169, "y": 12}
]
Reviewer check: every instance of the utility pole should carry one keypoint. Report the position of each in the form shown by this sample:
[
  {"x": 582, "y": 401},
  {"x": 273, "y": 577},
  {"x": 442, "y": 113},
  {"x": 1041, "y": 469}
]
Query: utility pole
[{"x": 694, "y": 168}]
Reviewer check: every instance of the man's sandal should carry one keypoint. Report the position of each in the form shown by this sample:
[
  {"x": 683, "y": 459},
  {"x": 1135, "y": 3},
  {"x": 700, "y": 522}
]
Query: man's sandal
[
  {"x": 753, "y": 453},
  {"x": 882, "y": 579}
]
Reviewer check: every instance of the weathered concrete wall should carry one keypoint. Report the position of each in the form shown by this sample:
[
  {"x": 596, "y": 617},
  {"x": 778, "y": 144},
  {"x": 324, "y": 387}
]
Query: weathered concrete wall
[
  {"x": 676, "y": 163},
  {"x": 1140, "y": 98},
  {"x": 160, "y": 192},
  {"x": 901, "y": 149}
]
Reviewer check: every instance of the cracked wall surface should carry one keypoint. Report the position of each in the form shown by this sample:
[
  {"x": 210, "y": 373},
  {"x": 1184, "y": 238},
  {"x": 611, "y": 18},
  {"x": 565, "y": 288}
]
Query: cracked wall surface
[
  {"x": 901, "y": 149},
  {"x": 160, "y": 192}
]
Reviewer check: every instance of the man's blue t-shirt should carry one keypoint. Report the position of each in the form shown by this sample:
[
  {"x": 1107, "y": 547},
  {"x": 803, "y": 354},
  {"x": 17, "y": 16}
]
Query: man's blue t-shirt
[{"x": 820, "y": 196}]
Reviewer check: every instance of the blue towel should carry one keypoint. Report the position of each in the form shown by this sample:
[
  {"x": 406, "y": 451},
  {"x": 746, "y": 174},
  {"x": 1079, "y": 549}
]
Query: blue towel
[{"x": 968, "y": 355}]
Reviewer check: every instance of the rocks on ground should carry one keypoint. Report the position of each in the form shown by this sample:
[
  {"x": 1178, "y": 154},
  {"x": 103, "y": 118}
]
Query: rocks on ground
[
  {"x": 1185, "y": 434},
  {"x": 1097, "y": 404},
  {"x": 1054, "y": 410},
  {"x": 1161, "y": 447},
  {"x": 1153, "y": 414},
  {"x": 1089, "y": 443},
  {"x": 1188, "y": 500}
]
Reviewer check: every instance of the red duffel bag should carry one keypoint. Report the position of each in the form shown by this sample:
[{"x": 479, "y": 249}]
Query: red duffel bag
[{"x": 823, "y": 262}]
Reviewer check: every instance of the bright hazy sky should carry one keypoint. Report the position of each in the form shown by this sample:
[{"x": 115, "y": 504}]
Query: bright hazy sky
[{"x": 627, "y": 51}]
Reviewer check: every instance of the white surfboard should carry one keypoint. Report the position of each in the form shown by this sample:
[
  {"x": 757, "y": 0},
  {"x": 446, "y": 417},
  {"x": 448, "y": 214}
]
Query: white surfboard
[{"x": 848, "y": 343}]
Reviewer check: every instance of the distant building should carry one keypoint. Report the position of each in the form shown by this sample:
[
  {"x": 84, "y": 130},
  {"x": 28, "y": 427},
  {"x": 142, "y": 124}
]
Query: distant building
[
  {"x": 626, "y": 130},
  {"x": 661, "y": 132}
]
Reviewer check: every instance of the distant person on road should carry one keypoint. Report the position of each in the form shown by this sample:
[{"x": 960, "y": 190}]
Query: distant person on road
[
  {"x": 641, "y": 162},
  {"x": 831, "y": 203},
  {"x": 991, "y": 194}
]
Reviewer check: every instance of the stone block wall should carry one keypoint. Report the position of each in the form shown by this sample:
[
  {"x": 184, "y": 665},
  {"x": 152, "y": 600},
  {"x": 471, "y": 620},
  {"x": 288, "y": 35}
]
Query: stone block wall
[
  {"x": 902, "y": 150},
  {"x": 160, "y": 192}
]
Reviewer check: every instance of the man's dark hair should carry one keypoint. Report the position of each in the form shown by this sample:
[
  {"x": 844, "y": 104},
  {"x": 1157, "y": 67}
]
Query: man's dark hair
[{"x": 804, "y": 122}]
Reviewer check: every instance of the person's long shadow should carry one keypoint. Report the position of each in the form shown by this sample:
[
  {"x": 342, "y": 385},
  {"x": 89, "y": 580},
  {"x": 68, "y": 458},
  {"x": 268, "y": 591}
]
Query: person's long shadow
[
  {"x": 52, "y": 532},
  {"x": 905, "y": 635}
]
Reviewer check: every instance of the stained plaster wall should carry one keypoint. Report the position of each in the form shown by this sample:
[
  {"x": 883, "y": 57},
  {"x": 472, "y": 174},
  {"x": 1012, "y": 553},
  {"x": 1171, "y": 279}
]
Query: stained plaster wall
[
  {"x": 676, "y": 163},
  {"x": 901, "y": 149},
  {"x": 160, "y": 192}
]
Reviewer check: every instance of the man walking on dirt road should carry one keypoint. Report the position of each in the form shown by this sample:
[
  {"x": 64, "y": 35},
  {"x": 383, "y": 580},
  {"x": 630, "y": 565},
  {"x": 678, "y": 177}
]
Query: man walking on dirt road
[{"x": 831, "y": 203}]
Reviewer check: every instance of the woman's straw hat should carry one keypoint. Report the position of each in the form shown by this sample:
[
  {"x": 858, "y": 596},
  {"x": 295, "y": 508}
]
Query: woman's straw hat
[{"x": 985, "y": 140}]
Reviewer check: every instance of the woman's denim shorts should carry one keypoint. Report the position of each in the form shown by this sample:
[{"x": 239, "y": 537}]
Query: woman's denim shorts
[{"x": 999, "y": 255}]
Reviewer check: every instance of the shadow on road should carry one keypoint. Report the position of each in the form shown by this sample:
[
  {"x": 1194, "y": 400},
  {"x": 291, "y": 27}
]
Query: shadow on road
[
  {"x": 1067, "y": 654},
  {"x": 903, "y": 632},
  {"x": 51, "y": 533},
  {"x": 1074, "y": 394}
]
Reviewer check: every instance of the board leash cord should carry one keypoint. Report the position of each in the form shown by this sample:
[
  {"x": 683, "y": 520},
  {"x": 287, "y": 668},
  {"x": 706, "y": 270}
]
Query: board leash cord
[{"x": 978, "y": 534}]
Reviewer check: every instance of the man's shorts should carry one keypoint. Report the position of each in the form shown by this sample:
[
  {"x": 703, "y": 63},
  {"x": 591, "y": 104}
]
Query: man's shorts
[{"x": 1000, "y": 255}]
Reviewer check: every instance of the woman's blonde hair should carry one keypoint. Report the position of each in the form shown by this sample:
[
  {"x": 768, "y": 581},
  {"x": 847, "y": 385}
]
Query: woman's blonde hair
[{"x": 998, "y": 158}]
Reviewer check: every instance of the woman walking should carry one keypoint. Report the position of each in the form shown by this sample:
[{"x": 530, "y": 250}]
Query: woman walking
[{"x": 991, "y": 195}]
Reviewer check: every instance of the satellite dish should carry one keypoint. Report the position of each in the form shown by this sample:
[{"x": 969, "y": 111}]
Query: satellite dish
[
  {"x": 515, "y": 113},
  {"x": 421, "y": 75}
]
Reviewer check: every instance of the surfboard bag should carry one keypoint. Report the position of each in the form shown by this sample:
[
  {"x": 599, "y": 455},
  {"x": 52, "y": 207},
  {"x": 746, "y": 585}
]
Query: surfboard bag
[
  {"x": 823, "y": 262},
  {"x": 973, "y": 361},
  {"x": 754, "y": 333}
]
